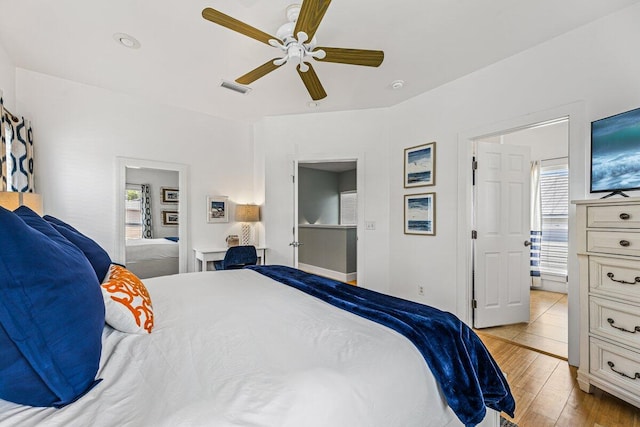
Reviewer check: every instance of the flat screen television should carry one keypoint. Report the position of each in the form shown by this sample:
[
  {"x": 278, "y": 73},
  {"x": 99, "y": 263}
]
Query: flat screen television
[{"x": 615, "y": 153}]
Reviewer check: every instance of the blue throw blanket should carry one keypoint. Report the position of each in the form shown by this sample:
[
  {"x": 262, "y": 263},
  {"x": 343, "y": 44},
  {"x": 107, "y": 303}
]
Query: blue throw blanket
[{"x": 467, "y": 374}]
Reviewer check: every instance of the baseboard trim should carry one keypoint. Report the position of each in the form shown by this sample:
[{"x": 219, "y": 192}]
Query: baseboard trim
[{"x": 332, "y": 274}]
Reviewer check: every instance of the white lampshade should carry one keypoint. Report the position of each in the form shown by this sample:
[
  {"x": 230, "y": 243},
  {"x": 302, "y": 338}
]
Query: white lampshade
[
  {"x": 13, "y": 199},
  {"x": 247, "y": 213}
]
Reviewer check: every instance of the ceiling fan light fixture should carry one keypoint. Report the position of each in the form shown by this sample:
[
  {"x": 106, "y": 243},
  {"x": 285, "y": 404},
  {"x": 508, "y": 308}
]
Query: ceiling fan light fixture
[
  {"x": 313, "y": 104},
  {"x": 126, "y": 40}
]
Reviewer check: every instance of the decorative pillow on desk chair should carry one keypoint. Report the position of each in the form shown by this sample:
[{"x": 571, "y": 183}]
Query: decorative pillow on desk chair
[{"x": 127, "y": 301}]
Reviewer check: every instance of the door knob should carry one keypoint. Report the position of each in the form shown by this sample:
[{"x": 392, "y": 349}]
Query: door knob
[{"x": 527, "y": 243}]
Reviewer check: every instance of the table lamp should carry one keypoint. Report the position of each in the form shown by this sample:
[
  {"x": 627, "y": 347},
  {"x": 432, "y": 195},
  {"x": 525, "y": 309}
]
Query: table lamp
[{"x": 246, "y": 214}]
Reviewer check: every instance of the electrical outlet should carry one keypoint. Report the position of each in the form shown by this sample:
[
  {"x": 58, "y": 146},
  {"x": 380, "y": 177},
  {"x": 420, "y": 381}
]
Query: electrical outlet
[
  {"x": 369, "y": 225},
  {"x": 420, "y": 290}
]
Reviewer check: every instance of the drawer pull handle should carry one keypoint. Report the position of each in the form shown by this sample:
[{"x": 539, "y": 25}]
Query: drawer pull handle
[
  {"x": 610, "y": 276},
  {"x": 611, "y": 322},
  {"x": 625, "y": 216},
  {"x": 611, "y": 366},
  {"x": 625, "y": 243}
]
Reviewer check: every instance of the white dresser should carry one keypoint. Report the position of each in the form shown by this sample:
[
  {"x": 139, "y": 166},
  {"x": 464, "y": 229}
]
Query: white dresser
[{"x": 609, "y": 257}]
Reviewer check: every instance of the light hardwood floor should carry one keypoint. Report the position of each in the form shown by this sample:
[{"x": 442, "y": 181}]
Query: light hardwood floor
[
  {"x": 547, "y": 393},
  {"x": 547, "y": 329}
]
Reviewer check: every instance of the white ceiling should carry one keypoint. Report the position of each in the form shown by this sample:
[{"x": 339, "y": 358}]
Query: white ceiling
[{"x": 184, "y": 58}]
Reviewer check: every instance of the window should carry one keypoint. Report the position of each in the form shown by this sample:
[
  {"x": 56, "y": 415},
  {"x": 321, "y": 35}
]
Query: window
[
  {"x": 554, "y": 199},
  {"x": 133, "y": 212},
  {"x": 348, "y": 208}
]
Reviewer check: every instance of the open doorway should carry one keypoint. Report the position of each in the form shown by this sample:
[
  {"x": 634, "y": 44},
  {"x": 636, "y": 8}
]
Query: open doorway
[
  {"x": 327, "y": 219},
  {"x": 547, "y": 327}
]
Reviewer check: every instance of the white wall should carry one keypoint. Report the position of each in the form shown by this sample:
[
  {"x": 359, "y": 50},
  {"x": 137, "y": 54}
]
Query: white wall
[
  {"x": 546, "y": 142},
  {"x": 79, "y": 131},
  {"x": 330, "y": 136},
  {"x": 8, "y": 80}
]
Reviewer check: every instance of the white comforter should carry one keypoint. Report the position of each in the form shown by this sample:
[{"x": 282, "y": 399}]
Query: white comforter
[
  {"x": 144, "y": 249},
  {"x": 235, "y": 348}
]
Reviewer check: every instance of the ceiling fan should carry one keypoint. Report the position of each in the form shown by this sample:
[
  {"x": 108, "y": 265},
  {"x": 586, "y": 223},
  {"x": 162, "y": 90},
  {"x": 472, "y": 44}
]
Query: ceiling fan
[{"x": 297, "y": 43}]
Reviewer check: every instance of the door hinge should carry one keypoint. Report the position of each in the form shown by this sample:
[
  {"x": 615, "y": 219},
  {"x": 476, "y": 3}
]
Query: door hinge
[
  {"x": 474, "y": 167},
  {"x": 474, "y": 304},
  {"x": 293, "y": 179},
  {"x": 474, "y": 234}
]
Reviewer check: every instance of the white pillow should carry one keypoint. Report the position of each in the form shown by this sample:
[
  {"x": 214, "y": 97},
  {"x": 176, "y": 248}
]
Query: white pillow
[{"x": 127, "y": 302}]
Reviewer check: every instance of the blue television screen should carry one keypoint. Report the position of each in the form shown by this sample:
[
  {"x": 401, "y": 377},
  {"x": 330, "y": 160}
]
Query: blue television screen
[{"x": 615, "y": 152}]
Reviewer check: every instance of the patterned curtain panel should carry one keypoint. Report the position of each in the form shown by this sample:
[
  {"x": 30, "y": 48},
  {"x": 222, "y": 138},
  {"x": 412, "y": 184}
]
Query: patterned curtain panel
[
  {"x": 20, "y": 160},
  {"x": 3, "y": 147},
  {"x": 145, "y": 208},
  {"x": 536, "y": 224}
]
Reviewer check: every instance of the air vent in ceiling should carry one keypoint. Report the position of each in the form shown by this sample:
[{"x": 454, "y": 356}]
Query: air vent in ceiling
[{"x": 235, "y": 87}]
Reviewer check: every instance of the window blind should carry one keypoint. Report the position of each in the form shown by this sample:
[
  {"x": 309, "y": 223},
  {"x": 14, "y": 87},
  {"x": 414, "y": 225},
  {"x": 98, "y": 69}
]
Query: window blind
[
  {"x": 349, "y": 208},
  {"x": 554, "y": 198}
]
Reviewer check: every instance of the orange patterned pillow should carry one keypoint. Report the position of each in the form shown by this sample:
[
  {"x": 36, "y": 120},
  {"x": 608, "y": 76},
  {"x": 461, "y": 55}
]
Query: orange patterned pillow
[{"x": 127, "y": 302}]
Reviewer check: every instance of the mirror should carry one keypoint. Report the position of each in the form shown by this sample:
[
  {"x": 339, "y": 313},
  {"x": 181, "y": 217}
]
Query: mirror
[{"x": 152, "y": 215}]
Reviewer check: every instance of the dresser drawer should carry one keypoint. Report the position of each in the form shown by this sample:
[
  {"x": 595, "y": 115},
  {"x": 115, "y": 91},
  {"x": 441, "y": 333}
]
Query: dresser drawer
[
  {"x": 614, "y": 242},
  {"x": 622, "y": 216},
  {"x": 616, "y": 321},
  {"x": 615, "y": 365},
  {"x": 613, "y": 277}
]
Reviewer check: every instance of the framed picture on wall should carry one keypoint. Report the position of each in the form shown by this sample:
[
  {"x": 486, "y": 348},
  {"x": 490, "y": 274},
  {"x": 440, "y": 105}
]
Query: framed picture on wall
[
  {"x": 420, "y": 214},
  {"x": 217, "y": 209},
  {"x": 170, "y": 195},
  {"x": 170, "y": 218},
  {"x": 420, "y": 165}
]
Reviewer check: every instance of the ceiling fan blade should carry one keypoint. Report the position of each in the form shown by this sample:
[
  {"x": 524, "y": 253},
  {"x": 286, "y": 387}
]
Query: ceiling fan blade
[
  {"x": 368, "y": 58},
  {"x": 311, "y": 13},
  {"x": 312, "y": 83},
  {"x": 235, "y": 25},
  {"x": 255, "y": 74}
]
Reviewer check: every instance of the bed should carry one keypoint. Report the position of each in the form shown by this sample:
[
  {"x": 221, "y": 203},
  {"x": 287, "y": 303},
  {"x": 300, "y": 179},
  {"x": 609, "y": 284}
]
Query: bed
[
  {"x": 152, "y": 257},
  {"x": 265, "y": 346}
]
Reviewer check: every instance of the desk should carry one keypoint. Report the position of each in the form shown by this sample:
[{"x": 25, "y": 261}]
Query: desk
[{"x": 205, "y": 254}]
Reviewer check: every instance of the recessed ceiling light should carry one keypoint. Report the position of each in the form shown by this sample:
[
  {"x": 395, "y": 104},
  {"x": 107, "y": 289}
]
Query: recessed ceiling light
[
  {"x": 397, "y": 84},
  {"x": 126, "y": 40}
]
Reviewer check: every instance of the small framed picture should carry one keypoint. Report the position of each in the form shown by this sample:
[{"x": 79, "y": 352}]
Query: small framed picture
[
  {"x": 420, "y": 214},
  {"x": 170, "y": 195},
  {"x": 169, "y": 217},
  {"x": 217, "y": 209},
  {"x": 420, "y": 165}
]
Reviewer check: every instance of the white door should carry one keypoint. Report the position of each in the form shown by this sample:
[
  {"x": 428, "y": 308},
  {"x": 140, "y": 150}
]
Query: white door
[
  {"x": 295, "y": 243},
  {"x": 501, "y": 255}
]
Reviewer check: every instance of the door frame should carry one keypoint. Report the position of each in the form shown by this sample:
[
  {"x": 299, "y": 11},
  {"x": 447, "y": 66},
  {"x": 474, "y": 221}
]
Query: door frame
[
  {"x": 578, "y": 178},
  {"x": 318, "y": 158},
  {"x": 122, "y": 163}
]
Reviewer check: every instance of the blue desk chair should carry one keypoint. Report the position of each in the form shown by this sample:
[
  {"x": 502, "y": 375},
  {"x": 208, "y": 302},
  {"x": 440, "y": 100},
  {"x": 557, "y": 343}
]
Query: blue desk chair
[{"x": 237, "y": 257}]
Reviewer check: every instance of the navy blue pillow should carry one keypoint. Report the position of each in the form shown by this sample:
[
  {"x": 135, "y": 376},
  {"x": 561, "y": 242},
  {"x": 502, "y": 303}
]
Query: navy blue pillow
[
  {"x": 51, "y": 314},
  {"x": 98, "y": 257}
]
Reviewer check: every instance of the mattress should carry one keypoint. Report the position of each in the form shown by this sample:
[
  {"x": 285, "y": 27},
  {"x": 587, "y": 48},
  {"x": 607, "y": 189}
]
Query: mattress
[
  {"x": 147, "y": 249},
  {"x": 236, "y": 348}
]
